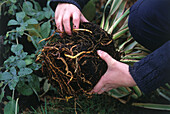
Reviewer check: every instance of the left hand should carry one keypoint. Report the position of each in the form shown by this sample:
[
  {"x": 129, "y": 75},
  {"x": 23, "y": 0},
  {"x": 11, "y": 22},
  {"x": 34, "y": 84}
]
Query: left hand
[
  {"x": 117, "y": 75},
  {"x": 64, "y": 13}
]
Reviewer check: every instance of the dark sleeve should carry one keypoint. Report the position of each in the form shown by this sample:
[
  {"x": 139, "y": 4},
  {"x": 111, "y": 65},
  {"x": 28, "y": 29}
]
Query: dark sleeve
[
  {"x": 153, "y": 71},
  {"x": 79, "y": 3}
]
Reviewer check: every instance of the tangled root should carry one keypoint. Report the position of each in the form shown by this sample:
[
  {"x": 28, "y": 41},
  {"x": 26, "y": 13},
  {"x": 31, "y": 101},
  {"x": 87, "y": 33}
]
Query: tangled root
[{"x": 71, "y": 63}]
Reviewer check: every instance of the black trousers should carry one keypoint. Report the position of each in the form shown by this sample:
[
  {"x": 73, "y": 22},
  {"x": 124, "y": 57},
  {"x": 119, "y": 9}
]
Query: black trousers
[{"x": 149, "y": 22}]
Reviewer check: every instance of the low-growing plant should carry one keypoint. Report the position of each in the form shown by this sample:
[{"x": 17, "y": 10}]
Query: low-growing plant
[{"x": 30, "y": 23}]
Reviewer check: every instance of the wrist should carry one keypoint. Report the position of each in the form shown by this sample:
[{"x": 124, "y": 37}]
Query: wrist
[{"x": 130, "y": 80}]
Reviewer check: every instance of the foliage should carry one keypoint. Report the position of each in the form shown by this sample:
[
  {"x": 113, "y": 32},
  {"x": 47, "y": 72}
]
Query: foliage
[
  {"x": 31, "y": 23},
  {"x": 9, "y": 3},
  {"x": 28, "y": 22},
  {"x": 19, "y": 70}
]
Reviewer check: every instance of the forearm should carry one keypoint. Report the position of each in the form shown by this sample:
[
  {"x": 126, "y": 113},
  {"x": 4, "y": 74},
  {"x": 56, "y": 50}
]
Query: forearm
[
  {"x": 153, "y": 71},
  {"x": 79, "y": 3}
]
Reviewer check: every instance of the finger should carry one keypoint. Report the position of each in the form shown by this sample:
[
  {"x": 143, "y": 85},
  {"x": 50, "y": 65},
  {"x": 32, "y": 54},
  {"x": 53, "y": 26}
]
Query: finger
[
  {"x": 108, "y": 89},
  {"x": 102, "y": 90},
  {"x": 105, "y": 89},
  {"x": 59, "y": 24},
  {"x": 106, "y": 57},
  {"x": 83, "y": 19},
  {"x": 66, "y": 23},
  {"x": 58, "y": 18},
  {"x": 98, "y": 86},
  {"x": 76, "y": 20}
]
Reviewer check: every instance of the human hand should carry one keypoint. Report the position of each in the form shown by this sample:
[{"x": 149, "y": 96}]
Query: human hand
[
  {"x": 64, "y": 13},
  {"x": 117, "y": 75}
]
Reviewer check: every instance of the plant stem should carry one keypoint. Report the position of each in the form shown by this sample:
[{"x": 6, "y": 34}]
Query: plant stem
[{"x": 16, "y": 105}]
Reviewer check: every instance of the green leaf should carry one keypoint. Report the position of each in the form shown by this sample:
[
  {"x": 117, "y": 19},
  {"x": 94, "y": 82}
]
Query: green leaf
[
  {"x": 13, "y": 1},
  {"x": 89, "y": 10},
  {"x": 17, "y": 49},
  {"x": 120, "y": 33},
  {"x": 33, "y": 82},
  {"x": 20, "y": 30},
  {"x": 118, "y": 21},
  {"x": 28, "y": 8},
  {"x": 23, "y": 55},
  {"x": 27, "y": 5},
  {"x": 12, "y": 9},
  {"x": 29, "y": 61},
  {"x": 12, "y": 84},
  {"x": 6, "y": 76},
  {"x": 2, "y": 94},
  {"x": 24, "y": 71},
  {"x": 130, "y": 46},
  {"x": 24, "y": 89},
  {"x": 115, "y": 5},
  {"x": 20, "y": 16},
  {"x": 36, "y": 6},
  {"x": 39, "y": 15},
  {"x": 13, "y": 71},
  {"x": 137, "y": 91},
  {"x": 46, "y": 86},
  {"x": 32, "y": 21},
  {"x": 35, "y": 66},
  {"x": 9, "y": 98},
  {"x": 116, "y": 93},
  {"x": 21, "y": 64},
  {"x": 10, "y": 107},
  {"x": 10, "y": 61},
  {"x": 153, "y": 106},
  {"x": 45, "y": 29},
  {"x": 103, "y": 17},
  {"x": 47, "y": 12},
  {"x": 12, "y": 22},
  {"x": 165, "y": 93},
  {"x": 1, "y": 83}
]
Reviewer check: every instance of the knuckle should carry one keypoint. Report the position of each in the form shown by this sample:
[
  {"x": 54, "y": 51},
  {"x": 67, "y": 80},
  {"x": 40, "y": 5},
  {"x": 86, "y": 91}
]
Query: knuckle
[
  {"x": 103, "y": 79},
  {"x": 66, "y": 18},
  {"x": 57, "y": 22},
  {"x": 112, "y": 63},
  {"x": 56, "y": 17},
  {"x": 76, "y": 19}
]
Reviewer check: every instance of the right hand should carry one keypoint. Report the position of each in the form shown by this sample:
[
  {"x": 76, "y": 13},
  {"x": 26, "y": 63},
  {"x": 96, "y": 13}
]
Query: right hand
[{"x": 63, "y": 14}]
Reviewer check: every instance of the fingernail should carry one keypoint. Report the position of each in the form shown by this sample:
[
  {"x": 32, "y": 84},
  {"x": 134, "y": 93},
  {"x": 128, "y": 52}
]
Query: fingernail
[{"x": 99, "y": 52}]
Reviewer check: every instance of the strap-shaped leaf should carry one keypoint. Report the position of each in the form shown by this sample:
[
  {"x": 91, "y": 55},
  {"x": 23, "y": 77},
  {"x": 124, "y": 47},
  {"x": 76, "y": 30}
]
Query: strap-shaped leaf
[
  {"x": 118, "y": 21},
  {"x": 103, "y": 17},
  {"x": 153, "y": 106},
  {"x": 115, "y": 5}
]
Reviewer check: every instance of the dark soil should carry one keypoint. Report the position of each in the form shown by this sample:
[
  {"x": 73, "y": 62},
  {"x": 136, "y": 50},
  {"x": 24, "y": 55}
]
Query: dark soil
[{"x": 72, "y": 64}]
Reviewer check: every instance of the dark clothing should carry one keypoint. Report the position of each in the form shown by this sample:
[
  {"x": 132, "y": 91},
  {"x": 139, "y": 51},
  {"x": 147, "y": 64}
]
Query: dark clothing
[
  {"x": 79, "y": 3},
  {"x": 154, "y": 70},
  {"x": 149, "y": 24}
]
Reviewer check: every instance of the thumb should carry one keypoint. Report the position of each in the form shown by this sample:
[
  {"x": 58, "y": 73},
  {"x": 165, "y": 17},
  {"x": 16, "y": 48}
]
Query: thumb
[{"x": 106, "y": 57}]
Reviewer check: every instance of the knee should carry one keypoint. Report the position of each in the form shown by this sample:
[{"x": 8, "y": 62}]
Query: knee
[{"x": 149, "y": 22}]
